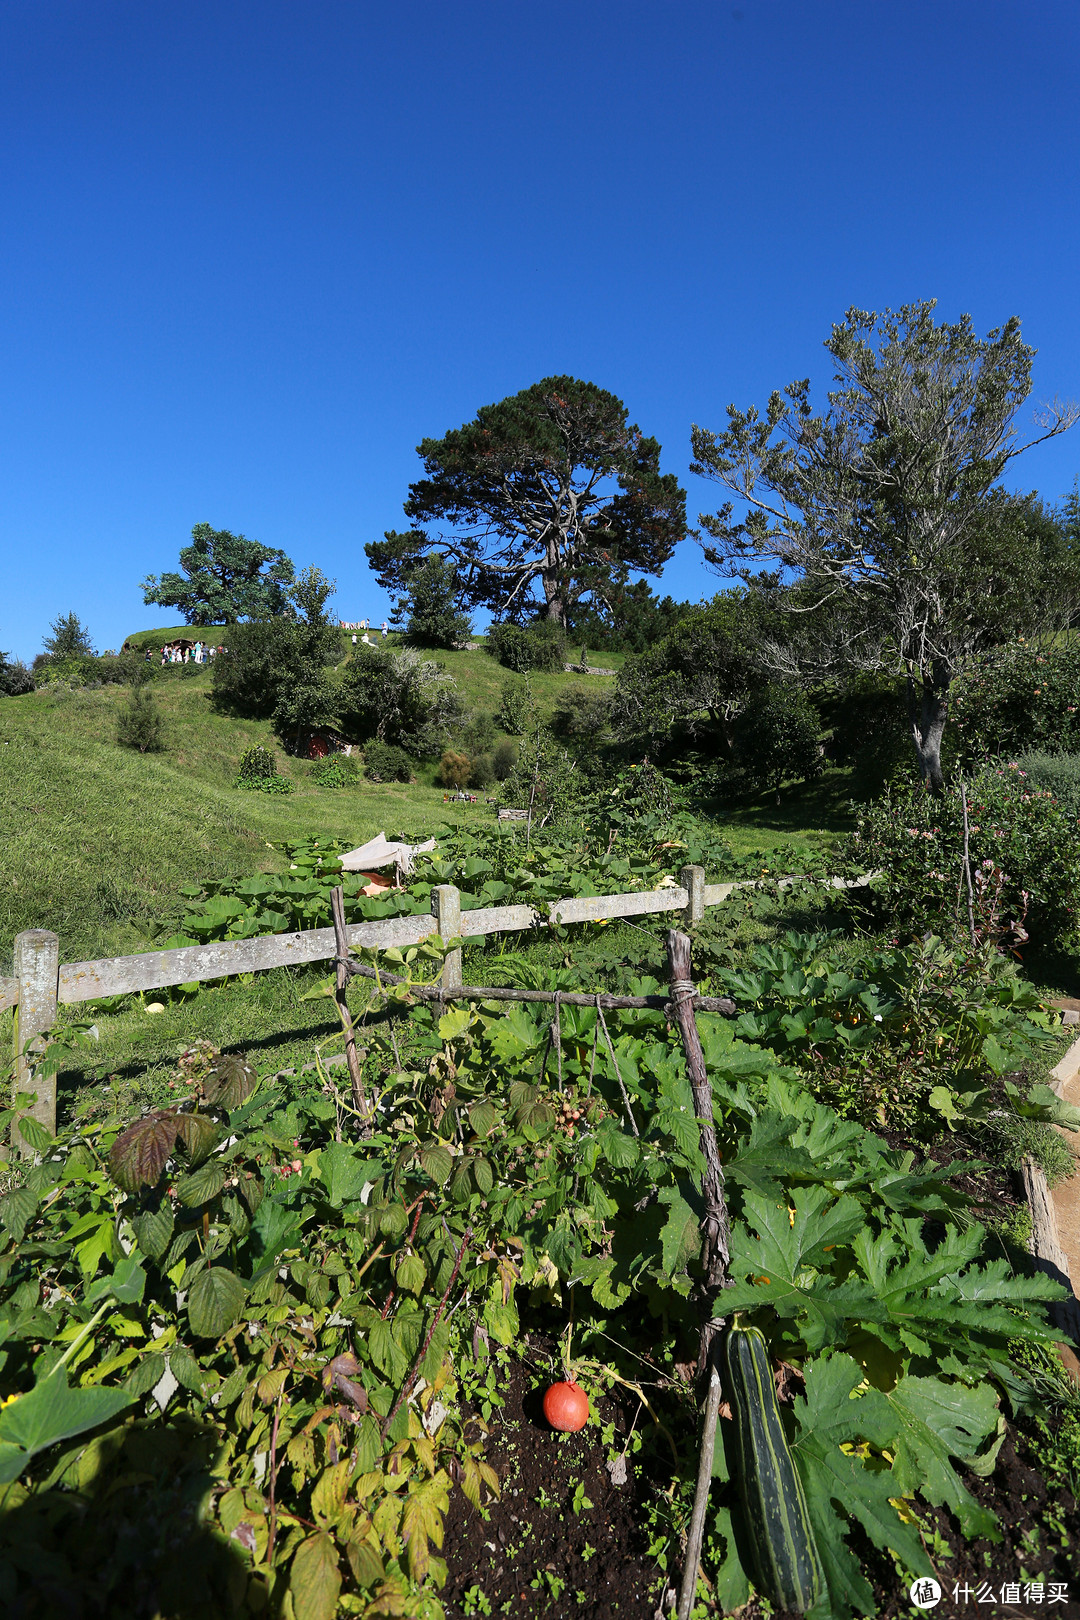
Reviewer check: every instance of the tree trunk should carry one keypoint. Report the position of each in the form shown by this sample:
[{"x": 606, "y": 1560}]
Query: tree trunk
[{"x": 928, "y": 710}]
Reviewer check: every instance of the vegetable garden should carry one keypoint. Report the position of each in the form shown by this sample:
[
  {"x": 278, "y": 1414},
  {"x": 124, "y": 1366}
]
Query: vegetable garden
[{"x": 279, "y": 1346}]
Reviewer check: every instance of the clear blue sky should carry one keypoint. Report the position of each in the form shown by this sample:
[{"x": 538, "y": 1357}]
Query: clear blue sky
[{"x": 251, "y": 252}]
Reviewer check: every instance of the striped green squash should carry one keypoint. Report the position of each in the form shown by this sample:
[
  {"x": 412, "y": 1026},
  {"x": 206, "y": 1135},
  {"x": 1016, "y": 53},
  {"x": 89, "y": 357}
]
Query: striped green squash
[{"x": 786, "y": 1566}]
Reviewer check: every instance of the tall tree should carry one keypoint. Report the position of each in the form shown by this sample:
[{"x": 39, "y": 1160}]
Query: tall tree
[
  {"x": 430, "y": 607},
  {"x": 225, "y": 578},
  {"x": 310, "y": 595},
  {"x": 68, "y": 638},
  {"x": 550, "y": 494},
  {"x": 889, "y": 506},
  {"x": 701, "y": 674}
]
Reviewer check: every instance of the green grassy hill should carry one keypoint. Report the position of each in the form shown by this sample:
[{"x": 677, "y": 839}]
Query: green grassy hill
[{"x": 95, "y": 840}]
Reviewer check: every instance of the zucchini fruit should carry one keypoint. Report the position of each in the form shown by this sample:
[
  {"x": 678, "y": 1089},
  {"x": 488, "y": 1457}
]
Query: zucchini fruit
[{"x": 786, "y": 1569}]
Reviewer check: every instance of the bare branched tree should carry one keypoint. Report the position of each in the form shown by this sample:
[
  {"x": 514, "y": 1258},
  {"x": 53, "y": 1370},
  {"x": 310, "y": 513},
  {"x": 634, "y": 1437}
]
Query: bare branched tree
[{"x": 887, "y": 511}]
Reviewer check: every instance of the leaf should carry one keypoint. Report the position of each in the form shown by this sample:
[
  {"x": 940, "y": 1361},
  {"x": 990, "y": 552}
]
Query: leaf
[
  {"x": 780, "y": 1259},
  {"x": 437, "y": 1161},
  {"x": 939, "y": 1421},
  {"x": 90, "y": 1253},
  {"x": 422, "y": 1522},
  {"x": 139, "y": 1154},
  {"x": 201, "y": 1185},
  {"x": 385, "y": 1351},
  {"x": 329, "y": 1492},
  {"x": 365, "y": 1563},
  {"x": 145, "y": 1375},
  {"x": 344, "y": 1173},
  {"x": 680, "y": 1236},
  {"x": 127, "y": 1283},
  {"x": 621, "y": 1150},
  {"x": 214, "y": 1302},
  {"x": 453, "y": 1025},
  {"x": 314, "y": 1579},
  {"x": 483, "y": 1174},
  {"x": 17, "y": 1210},
  {"x": 154, "y": 1230},
  {"x": 51, "y": 1412},
  {"x": 200, "y": 1135},
  {"x": 185, "y": 1369},
  {"x": 483, "y": 1118},
  {"x": 33, "y": 1133},
  {"x": 827, "y": 1419},
  {"x": 411, "y": 1274},
  {"x": 273, "y": 1229},
  {"x": 367, "y": 1444},
  {"x": 229, "y": 1081},
  {"x": 766, "y": 1154}
]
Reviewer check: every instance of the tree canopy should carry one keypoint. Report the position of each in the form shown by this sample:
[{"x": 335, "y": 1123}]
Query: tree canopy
[
  {"x": 430, "y": 607},
  {"x": 888, "y": 504},
  {"x": 225, "y": 578},
  {"x": 68, "y": 638},
  {"x": 550, "y": 495}
]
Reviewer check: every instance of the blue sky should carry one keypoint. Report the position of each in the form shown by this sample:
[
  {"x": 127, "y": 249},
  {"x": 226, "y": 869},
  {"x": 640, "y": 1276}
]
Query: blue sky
[{"x": 252, "y": 252}]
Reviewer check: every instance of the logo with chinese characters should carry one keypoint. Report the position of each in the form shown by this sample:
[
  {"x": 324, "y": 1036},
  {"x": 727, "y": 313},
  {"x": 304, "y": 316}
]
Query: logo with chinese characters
[
  {"x": 925, "y": 1592},
  {"x": 1012, "y": 1592}
]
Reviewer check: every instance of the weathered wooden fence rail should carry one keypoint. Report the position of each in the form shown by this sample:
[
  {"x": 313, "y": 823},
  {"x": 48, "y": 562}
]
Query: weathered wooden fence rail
[{"x": 42, "y": 983}]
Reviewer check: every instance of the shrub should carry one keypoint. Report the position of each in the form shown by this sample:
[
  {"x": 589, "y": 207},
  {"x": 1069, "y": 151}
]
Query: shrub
[
  {"x": 139, "y": 725},
  {"x": 776, "y": 738},
  {"x": 582, "y": 714},
  {"x": 479, "y": 734},
  {"x": 516, "y": 706},
  {"x": 503, "y": 761},
  {"x": 385, "y": 763},
  {"x": 1025, "y": 699},
  {"x": 399, "y": 697},
  {"x": 482, "y": 774},
  {"x": 15, "y": 678},
  {"x": 336, "y": 771},
  {"x": 1057, "y": 774},
  {"x": 454, "y": 769},
  {"x": 1024, "y": 852},
  {"x": 305, "y": 704},
  {"x": 262, "y": 661},
  {"x": 540, "y": 646},
  {"x": 256, "y": 764},
  {"x": 258, "y": 772},
  {"x": 432, "y": 603}
]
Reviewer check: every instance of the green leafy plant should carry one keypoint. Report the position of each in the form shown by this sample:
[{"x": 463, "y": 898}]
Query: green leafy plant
[
  {"x": 139, "y": 724},
  {"x": 336, "y": 771},
  {"x": 1023, "y": 861}
]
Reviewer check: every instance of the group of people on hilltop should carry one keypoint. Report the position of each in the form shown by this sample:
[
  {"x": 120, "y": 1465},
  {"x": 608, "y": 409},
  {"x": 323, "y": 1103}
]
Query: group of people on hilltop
[
  {"x": 361, "y": 624},
  {"x": 190, "y": 652}
]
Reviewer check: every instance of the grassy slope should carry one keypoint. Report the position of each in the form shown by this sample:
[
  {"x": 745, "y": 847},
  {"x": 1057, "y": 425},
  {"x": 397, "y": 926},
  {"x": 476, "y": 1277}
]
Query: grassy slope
[{"x": 95, "y": 840}]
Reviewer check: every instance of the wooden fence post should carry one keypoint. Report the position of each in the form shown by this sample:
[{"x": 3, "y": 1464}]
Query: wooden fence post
[
  {"x": 692, "y": 879},
  {"x": 37, "y": 968},
  {"x": 446, "y": 909}
]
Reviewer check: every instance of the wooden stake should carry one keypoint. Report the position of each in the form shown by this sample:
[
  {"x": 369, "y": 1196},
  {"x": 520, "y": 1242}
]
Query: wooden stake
[
  {"x": 360, "y": 1101},
  {"x": 716, "y": 1236}
]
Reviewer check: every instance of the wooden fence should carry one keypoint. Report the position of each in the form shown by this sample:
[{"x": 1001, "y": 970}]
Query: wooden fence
[{"x": 42, "y": 983}]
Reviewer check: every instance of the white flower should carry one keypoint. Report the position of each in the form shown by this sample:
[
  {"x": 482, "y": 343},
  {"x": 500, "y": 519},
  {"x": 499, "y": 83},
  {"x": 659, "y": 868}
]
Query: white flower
[{"x": 877, "y": 1018}]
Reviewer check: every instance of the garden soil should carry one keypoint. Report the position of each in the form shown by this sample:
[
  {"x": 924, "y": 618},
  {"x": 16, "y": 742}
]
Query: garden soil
[{"x": 531, "y": 1554}]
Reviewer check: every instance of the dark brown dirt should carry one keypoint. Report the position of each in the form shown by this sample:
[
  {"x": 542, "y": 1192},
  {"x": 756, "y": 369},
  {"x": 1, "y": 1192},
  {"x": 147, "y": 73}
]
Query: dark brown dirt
[{"x": 530, "y": 1553}]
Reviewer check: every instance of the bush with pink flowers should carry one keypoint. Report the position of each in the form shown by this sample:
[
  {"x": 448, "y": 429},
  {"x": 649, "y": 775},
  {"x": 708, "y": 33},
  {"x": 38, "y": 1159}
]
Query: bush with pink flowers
[{"x": 1023, "y": 858}]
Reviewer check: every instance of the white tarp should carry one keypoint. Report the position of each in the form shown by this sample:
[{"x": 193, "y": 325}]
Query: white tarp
[{"x": 380, "y": 851}]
